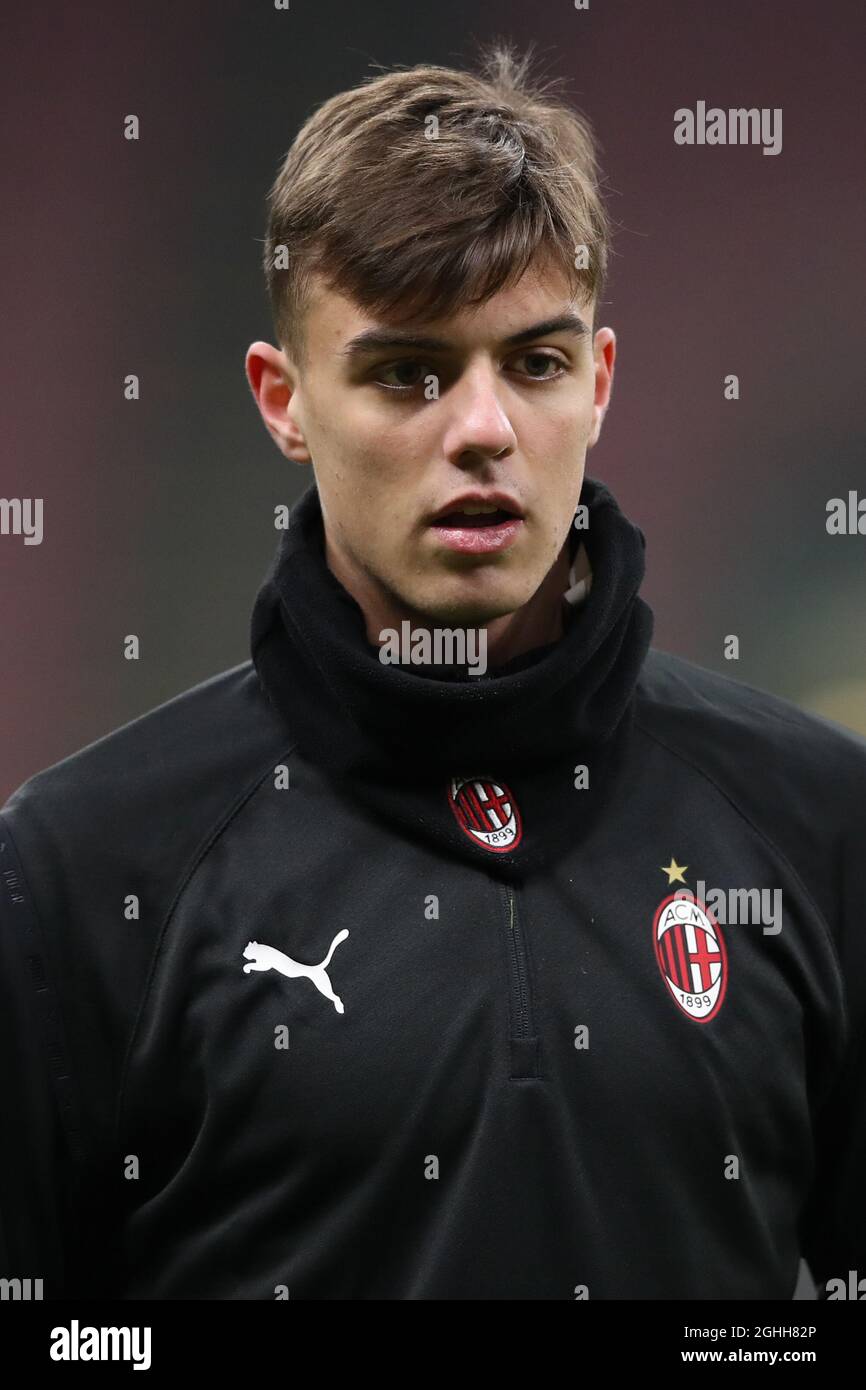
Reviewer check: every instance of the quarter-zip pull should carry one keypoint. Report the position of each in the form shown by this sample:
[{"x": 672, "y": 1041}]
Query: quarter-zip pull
[{"x": 523, "y": 1042}]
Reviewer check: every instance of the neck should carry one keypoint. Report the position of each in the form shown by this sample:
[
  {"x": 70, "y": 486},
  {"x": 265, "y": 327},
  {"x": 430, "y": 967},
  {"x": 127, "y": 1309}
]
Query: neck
[{"x": 538, "y": 622}]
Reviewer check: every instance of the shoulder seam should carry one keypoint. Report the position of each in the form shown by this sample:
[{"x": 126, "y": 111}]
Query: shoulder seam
[
  {"x": 782, "y": 709},
  {"x": 186, "y": 878}
]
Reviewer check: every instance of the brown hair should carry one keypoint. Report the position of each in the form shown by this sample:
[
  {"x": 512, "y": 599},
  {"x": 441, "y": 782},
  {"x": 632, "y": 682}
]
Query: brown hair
[{"x": 411, "y": 216}]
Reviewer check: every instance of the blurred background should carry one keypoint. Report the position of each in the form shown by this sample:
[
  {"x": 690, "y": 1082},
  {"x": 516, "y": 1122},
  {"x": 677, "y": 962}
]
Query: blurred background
[{"x": 143, "y": 257}]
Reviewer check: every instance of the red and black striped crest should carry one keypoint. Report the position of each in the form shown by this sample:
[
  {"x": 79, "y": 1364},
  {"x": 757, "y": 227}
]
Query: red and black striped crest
[{"x": 487, "y": 812}]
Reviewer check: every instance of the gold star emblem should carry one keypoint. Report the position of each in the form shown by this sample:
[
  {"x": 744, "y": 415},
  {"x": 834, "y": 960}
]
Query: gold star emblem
[{"x": 674, "y": 871}]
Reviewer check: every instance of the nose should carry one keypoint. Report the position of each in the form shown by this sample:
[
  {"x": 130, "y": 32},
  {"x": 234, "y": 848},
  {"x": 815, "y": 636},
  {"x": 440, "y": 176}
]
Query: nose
[{"x": 479, "y": 427}]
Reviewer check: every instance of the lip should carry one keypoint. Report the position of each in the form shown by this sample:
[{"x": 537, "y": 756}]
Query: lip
[{"x": 479, "y": 540}]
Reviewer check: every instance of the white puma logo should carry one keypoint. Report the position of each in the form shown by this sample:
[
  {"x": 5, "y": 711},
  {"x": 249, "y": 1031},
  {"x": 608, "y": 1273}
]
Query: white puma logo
[{"x": 268, "y": 958}]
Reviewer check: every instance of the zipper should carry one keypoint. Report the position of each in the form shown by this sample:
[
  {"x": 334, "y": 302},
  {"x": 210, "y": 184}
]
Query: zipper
[{"x": 522, "y": 1039}]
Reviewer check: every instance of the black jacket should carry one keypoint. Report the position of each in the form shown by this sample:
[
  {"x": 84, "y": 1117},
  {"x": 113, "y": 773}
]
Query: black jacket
[{"x": 335, "y": 980}]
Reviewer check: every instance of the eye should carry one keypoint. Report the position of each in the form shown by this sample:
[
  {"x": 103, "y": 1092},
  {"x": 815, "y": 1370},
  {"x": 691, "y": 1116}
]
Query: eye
[
  {"x": 407, "y": 374},
  {"x": 410, "y": 372},
  {"x": 542, "y": 360}
]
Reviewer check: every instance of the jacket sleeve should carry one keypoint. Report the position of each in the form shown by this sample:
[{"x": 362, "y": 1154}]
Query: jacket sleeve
[
  {"x": 833, "y": 1231},
  {"x": 51, "y": 1226},
  {"x": 34, "y": 1162},
  {"x": 833, "y": 1226}
]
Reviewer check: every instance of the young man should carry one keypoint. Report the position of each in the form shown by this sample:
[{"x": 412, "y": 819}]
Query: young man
[{"x": 366, "y": 970}]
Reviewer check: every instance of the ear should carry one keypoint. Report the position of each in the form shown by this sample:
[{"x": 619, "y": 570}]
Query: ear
[
  {"x": 604, "y": 356},
  {"x": 273, "y": 382}
]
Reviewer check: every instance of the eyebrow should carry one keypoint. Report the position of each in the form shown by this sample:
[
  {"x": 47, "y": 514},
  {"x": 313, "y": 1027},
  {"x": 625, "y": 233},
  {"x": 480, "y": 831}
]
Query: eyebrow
[{"x": 377, "y": 339}]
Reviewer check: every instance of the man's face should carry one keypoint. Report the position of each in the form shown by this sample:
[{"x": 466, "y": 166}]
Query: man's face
[{"x": 402, "y": 427}]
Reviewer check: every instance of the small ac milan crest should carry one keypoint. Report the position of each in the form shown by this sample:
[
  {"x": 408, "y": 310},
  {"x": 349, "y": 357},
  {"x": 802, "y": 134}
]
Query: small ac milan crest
[
  {"x": 691, "y": 955},
  {"x": 486, "y": 811}
]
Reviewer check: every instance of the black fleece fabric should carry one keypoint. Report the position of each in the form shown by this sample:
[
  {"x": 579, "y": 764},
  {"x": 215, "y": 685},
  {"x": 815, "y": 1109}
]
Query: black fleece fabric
[
  {"x": 328, "y": 979},
  {"x": 397, "y": 736}
]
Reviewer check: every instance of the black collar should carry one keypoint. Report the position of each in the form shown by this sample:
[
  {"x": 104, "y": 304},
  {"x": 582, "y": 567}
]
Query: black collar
[{"x": 433, "y": 752}]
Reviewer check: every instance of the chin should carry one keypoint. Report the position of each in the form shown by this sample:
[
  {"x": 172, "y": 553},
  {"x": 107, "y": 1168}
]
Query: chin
[{"x": 475, "y": 609}]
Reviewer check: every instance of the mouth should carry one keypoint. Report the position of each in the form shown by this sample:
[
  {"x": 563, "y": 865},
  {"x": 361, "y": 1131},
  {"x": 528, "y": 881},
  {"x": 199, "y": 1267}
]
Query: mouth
[
  {"x": 478, "y": 528},
  {"x": 469, "y": 517}
]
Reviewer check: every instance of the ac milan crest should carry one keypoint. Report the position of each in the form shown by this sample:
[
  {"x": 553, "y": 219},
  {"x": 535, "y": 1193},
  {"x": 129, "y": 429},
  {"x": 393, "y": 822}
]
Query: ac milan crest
[
  {"x": 486, "y": 811},
  {"x": 691, "y": 955}
]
